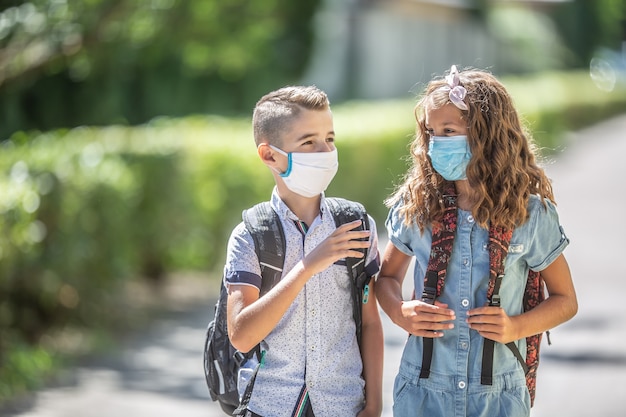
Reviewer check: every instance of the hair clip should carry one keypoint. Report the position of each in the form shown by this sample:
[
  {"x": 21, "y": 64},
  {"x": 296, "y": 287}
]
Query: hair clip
[{"x": 457, "y": 92}]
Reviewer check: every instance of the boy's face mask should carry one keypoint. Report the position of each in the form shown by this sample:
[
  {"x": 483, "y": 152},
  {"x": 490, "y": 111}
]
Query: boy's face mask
[
  {"x": 309, "y": 173},
  {"x": 450, "y": 156}
]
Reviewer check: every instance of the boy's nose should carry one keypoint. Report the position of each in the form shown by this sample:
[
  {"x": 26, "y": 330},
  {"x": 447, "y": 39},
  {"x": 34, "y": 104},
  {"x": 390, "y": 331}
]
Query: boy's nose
[{"x": 326, "y": 147}]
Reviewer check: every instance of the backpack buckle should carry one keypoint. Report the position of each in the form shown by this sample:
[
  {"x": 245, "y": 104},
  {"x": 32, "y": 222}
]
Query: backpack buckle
[
  {"x": 495, "y": 301},
  {"x": 239, "y": 358},
  {"x": 429, "y": 294}
]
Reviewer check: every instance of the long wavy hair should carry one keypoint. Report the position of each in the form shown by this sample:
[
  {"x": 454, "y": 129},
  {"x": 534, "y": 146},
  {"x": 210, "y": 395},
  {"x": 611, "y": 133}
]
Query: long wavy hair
[{"x": 502, "y": 172}]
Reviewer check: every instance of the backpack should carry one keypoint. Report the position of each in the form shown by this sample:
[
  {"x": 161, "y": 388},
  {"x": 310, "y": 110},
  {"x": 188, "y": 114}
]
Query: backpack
[
  {"x": 221, "y": 360},
  {"x": 499, "y": 239}
]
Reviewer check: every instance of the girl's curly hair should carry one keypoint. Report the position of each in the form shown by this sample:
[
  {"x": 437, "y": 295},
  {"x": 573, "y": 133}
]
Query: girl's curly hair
[{"x": 502, "y": 172}]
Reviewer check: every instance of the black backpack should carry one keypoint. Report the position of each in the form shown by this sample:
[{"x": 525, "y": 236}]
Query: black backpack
[{"x": 221, "y": 360}]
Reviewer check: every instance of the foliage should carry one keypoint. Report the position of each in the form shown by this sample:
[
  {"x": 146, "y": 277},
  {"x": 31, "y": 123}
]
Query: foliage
[
  {"x": 586, "y": 26},
  {"x": 75, "y": 62}
]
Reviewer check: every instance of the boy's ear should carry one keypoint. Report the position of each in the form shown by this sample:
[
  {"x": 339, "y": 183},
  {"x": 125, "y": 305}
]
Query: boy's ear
[{"x": 266, "y": 154}]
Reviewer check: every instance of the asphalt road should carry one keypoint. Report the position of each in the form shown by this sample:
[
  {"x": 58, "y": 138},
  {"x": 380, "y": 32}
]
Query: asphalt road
[{"x": 583, "y": 373}]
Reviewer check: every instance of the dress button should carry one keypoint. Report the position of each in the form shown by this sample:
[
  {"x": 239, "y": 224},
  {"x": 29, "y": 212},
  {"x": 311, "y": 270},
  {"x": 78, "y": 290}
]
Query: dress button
[
  {"x": 464, "y": 345},
  {"x": 470, "y": 218},
  {"x": 465, "y": 302},
  {"x": 461, "y": 384}
]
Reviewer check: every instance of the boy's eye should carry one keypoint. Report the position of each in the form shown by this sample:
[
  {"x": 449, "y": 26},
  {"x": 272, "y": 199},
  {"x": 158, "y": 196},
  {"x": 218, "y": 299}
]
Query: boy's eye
[{"x": 330, "y": 140}]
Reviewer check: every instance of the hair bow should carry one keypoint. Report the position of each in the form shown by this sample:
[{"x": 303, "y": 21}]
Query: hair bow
[{"x": 457, "y": 92}]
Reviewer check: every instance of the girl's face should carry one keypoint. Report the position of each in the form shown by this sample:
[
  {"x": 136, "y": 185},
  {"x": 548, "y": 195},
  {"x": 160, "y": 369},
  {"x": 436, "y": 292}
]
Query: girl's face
[{"x": 445, "y": 121}]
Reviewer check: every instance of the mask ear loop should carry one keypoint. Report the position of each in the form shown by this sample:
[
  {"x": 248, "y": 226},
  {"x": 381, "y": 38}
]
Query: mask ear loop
[{"x": 289, "y": 163}]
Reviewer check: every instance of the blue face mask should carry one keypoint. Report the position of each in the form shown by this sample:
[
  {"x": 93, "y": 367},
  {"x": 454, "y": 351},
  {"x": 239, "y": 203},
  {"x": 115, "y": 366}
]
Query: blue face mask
[{"x": 450, "y": 156}]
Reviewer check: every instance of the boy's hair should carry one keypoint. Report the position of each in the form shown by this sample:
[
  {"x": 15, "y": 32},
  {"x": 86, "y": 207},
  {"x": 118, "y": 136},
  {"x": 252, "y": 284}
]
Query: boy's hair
[
  {"x": 502, "y": 172},
  {"x": 276, "y": 110}
]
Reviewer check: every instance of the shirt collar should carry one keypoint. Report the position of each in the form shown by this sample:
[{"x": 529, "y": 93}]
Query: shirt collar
[{"x": 285, "y": 212}]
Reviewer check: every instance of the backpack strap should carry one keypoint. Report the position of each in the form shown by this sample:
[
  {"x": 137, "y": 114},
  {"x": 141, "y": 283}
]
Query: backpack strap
[
  {"x": 264, "y": 225},
  {"x": 499, "y": 239},
  {"x": 441, "y": 248},
  {"x": 266, "y": 230},
  {"x": 345, "y": 211}
]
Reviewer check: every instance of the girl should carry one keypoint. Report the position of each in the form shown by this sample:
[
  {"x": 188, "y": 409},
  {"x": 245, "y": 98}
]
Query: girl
[{"x": 471, "y": 153}]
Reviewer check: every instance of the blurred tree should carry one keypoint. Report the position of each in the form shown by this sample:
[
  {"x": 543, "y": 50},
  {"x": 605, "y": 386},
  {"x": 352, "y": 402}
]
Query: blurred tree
[
  {"x": 73, "y": 62},
  {"x": 588, "y": 25}
]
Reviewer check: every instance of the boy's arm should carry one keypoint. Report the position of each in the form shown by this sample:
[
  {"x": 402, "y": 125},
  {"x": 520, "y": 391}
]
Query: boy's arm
[
  {"x": 251, "y": 319},
  {"x": 372, "y": 354}
]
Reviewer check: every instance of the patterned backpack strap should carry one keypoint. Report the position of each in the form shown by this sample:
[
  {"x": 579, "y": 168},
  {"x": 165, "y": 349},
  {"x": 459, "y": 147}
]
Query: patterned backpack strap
[
  {"x": 533, "y": 295},
  {"x": 499, "y": 239},
  {"x": 440, "y": 251}
]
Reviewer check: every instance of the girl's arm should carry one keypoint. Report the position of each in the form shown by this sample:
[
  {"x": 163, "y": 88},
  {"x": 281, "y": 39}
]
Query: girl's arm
[
  {"x": 559, "y": 306},
  {"x": 416, "y": 317},
  {"x": 372, "y": 355}
]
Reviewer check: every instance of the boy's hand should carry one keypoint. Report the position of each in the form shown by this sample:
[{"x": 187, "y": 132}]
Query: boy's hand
[
  {"x": 369, "y": 413},
  {"x": 342, "y": 243},
  {"x": 426, "y": 320}
]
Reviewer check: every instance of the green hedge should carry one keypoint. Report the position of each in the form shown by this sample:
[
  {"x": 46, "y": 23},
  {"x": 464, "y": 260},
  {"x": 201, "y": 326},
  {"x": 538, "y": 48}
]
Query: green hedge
[{"x": 84, "y": 211}]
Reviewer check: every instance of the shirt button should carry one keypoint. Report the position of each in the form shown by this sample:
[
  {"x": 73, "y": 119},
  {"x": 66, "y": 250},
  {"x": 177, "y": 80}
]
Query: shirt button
[
  {"x": 470, "y": 218},
  {"x": 465, "y": 302},
  {"x": 312, "y": 347},
  {"x": 461, "y": 384}
]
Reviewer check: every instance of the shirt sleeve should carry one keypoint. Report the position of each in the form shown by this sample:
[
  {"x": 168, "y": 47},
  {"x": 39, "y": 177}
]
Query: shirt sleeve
[
  {"x": 397, "y": 231},
  {"x": 242, "y": 264},
  {"x": 548, "y": 238}
]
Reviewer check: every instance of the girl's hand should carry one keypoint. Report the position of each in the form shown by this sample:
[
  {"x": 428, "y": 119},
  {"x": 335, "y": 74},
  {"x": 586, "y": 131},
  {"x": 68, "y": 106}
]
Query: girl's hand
[
  {"x": 426, "y": 320},
  {"x": 342, "y": 243},
  {"x": 492, "y": 323}
]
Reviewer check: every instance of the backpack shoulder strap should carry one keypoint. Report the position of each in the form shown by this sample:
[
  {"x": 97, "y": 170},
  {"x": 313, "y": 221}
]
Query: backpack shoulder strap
[
  {"x": 434, "y": 280},
  {"x": 269, "y": 242},
  {"x": 345, "y": 211},
  {"x": 499, "y": 240}
]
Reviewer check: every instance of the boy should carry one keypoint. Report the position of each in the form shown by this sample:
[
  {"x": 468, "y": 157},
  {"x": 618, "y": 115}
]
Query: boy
[{"x": 312, "y": 365}]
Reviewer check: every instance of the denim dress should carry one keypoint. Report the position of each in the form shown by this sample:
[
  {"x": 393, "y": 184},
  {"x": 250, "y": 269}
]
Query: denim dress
[{"x": 454, "y": 388}]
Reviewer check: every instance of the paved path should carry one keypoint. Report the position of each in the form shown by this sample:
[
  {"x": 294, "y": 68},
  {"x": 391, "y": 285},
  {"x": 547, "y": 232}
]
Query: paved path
[{"x": 583, "y": 373}]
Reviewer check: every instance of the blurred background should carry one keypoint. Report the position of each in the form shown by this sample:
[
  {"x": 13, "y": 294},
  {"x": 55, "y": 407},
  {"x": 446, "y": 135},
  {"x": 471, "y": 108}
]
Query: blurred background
[{"x": 126, "y": 152}]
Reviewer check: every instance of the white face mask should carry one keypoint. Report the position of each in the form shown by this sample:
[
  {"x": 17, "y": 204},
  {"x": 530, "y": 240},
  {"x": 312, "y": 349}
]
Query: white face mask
[{"x": 309, "y": 173}]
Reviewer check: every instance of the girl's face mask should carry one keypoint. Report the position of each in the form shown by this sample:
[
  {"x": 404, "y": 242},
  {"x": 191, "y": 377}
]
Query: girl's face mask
[
  {"x": 450, "y": 156},
  {"x": 309, "y": 173}
]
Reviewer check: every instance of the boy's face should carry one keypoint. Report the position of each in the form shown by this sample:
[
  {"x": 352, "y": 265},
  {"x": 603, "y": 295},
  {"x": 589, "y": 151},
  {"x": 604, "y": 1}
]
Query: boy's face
[{"x": 311, "y": 131}]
